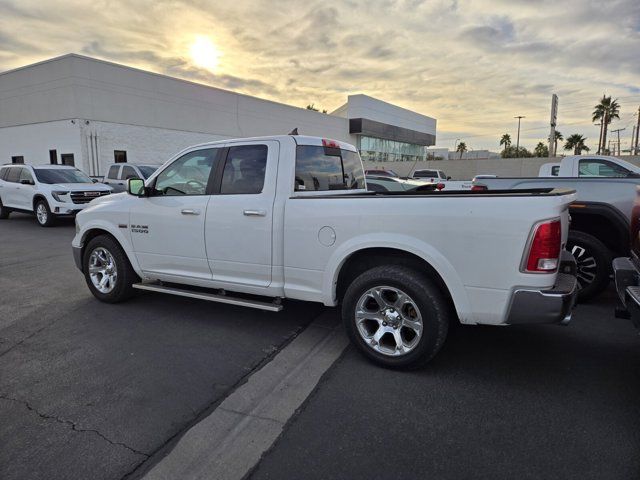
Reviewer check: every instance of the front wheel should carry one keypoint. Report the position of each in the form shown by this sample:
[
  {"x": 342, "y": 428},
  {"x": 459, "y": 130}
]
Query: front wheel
[
  {"x": 396, "y": 316},
  {"x": 107, "y": 270},
  {"x": 43, "y": 214},
  {"x": 593, "y": 264}
]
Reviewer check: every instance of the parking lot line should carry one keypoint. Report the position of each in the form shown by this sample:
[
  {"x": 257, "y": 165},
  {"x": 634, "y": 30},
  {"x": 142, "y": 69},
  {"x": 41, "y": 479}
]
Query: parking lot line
[{"x": 231, "y": 440}]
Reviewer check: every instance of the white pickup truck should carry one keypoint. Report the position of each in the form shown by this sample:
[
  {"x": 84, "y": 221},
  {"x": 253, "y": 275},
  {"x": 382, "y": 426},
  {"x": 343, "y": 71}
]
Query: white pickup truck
[
  {"x": 290, "y": 217},
  {"x": 600, "y": 218}
]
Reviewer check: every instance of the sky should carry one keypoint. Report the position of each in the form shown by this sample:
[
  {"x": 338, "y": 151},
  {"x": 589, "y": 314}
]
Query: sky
[{"x": 472, "y": 65}]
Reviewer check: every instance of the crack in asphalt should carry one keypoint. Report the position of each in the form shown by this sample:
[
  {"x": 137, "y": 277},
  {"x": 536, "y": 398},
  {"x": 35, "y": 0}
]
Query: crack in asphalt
[{"x": 73, "y": 426}]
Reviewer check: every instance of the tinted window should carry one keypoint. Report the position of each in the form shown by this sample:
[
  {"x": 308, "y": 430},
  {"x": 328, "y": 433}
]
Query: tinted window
[
  {"x": 600, "y": 168},
  {"x": 3, "y": 173},
  {"x": 113, "y": 171},
  {"x": 187, "y": 175},
  {"x": 147, "y": 171},
  {"x": 320, "y": 169},
  {"x": 62, "y": 175},
  {"x": 128, "y": 172},
  {"x": 426, "y": 173},
  {"x": 244, "y": 170},
  {"x": 555, "y": 170},
  {"x": 25, "y": 175},
  {"x": 14, "y": 175}
]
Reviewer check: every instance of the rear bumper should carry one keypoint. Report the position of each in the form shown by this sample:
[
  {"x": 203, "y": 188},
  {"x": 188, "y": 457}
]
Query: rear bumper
[
  {"x": 531, "y": 306},
  {"x": 627, "y": 279}
]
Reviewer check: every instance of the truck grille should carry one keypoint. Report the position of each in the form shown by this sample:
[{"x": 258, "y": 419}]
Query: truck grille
[{"x": 86, "y": 197}]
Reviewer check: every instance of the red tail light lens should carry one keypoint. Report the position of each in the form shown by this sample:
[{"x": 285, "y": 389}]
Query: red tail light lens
[
  {"x": 440, "y": 186},
  {"x": 479, "y": 188},
  {"x": 330, "y": 143},
  {"x": 545, "y": 248}
]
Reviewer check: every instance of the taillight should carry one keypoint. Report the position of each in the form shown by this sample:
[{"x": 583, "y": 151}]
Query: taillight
[
  {"x": 440, "y": 186},
  {"x": 545, "y": 248},
  {"x": 479, "y": 188},
  {"x": 330, "y": 143}
]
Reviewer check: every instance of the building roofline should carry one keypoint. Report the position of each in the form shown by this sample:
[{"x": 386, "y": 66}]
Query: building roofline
[{"x": 161, "y": 75}]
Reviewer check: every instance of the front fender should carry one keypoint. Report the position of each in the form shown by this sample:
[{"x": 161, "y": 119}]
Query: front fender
[
  {"x": 399, "y": 242},
  {"x": 121, "y": 235}
]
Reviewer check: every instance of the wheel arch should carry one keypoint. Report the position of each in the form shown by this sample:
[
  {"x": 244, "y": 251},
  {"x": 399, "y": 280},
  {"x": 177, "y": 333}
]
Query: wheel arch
[
  {"x": 36, "y": 197},
  {"x": 359, "y": 258},
  {"x": 94, "y": 231},
  {"x": 604, "y": 222}
]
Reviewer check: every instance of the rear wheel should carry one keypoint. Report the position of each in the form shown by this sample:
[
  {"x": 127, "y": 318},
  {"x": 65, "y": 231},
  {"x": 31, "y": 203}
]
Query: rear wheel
[
  {"x": 107, "y": 270},
  {"x": 43, "y": 214},
  {"x": 593, "y": 264},
  {"x": 396, "y": 316},
  {"x": 4, "y": 211}
]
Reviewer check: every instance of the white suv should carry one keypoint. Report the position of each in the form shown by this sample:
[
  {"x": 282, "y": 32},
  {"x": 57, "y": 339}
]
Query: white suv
[{"x": 46, "y": 190}]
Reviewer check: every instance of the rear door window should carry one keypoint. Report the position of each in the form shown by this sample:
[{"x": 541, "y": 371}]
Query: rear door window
[
  {"x": 244, "y": 170},
  {"x": 323, "y": 169},
  {"x": 113, "y": 172}
]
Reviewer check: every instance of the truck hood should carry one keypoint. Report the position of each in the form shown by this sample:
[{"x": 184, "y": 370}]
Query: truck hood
[{"x": 82, "y": 187}]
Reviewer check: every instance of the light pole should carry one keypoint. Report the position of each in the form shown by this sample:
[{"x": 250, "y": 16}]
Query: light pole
[{"x": 519, "y": 117}]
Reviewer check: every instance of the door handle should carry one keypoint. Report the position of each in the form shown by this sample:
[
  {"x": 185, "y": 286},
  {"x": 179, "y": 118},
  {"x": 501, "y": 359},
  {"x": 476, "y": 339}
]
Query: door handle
[
  {"x": 255, "y": 213},
  {"x": 190, "y": 211}
]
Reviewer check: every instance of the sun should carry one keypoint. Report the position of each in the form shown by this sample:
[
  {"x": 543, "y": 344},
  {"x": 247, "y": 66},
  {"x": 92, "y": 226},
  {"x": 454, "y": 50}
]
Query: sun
[{"x": 205, "y": 53}]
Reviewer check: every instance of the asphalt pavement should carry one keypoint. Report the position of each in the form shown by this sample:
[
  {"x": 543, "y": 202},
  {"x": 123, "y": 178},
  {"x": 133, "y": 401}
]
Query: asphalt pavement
[
  {"x": 496, "y": 403},
  {"x": 89, "y": 390}
]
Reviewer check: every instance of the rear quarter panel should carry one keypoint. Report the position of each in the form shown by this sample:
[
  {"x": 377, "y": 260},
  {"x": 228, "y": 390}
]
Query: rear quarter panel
[{"x": 476, "y": 243}]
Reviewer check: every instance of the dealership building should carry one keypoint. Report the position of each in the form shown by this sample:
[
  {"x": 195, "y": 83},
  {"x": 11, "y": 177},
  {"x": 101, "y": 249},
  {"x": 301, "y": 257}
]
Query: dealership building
[{"x": 90, "y": 113}]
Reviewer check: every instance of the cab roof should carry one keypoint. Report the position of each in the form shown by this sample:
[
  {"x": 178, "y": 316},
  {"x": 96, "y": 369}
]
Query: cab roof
[{"x": 299, "y": 139}]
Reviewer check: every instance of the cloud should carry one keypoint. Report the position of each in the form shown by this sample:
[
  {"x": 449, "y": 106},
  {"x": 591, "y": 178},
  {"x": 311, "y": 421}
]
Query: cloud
[{"x": 472, "y": 64}]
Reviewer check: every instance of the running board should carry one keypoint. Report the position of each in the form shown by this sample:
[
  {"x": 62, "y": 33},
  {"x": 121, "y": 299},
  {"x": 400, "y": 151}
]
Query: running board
[{"x": 211, "y": 297}]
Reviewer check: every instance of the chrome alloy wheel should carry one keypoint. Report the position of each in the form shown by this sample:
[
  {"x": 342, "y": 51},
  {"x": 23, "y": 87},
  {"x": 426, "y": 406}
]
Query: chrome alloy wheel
[
  {"x": 586, "y": 267},
  {"x": 41, "y": 213},
  {"x": 389, "y": 321},
  {"x": 102, "y": 270}
]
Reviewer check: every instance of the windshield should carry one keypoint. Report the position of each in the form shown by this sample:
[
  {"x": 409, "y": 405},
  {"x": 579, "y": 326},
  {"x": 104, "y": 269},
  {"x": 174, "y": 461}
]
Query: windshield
[
  {"x": 62, "y": 175},
  {"x": 146, "y": 170}
]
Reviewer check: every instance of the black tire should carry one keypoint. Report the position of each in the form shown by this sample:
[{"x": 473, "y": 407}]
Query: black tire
[
  {"x": 125, "y": 278},
  {"x": 431, "y": 305},
  {"x": 46, "y": 218},
  {"x": 4, "y": 211},
  {"x": 594, "y": 264}
]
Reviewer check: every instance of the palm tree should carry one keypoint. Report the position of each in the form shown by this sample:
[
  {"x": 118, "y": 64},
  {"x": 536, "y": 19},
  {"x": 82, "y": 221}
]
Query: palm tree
[
  {"x": 605, "y": 111},
  {"x": 576, "y": 142},
  {"x": 557, "y": 136},
  {"x": 505, "y": 140},
  {"x": 462, "y": 147},
  {"x": 541, "y": 150}
]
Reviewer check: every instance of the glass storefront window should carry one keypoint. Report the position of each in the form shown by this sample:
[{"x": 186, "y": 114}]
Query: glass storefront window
[{"x": 381, "y": 150}]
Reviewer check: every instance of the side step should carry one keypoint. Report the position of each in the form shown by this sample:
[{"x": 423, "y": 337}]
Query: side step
[{"x": 211, "y": 297}]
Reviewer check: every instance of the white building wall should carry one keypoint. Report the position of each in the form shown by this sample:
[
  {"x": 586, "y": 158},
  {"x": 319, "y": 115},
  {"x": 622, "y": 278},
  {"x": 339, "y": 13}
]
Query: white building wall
[
  {"x": 145, "y": 145},
  {"x": 34, "y": 141}
]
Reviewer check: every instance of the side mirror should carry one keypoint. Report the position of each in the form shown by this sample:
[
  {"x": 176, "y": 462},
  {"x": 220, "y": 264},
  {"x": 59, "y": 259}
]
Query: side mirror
[
  {"x": 135, "y": 186},
  {"x": 27, "y": 182},
  {"x": 94, "y": 180},
  {"x": 448, "y": 178}
]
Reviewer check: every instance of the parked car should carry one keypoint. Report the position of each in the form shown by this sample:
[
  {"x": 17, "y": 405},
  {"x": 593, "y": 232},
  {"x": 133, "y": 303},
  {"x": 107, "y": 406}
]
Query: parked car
[
  {"x": 392, "y": 184},
  {"x": 118, "y": 174},
  {"x": 382, "y": 173},
  {"x": 439, "y": 177},
  {"x": 49, "y": 191},
  {"x": 600, "y": 217},
  {"x": 290, "y": 217},
  {"x": 431, "y": 175}
]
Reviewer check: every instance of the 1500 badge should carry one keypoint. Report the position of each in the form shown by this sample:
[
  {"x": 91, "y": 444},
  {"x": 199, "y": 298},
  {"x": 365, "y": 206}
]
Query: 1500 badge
[{"x": 139, "y": 228}]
